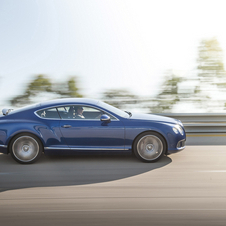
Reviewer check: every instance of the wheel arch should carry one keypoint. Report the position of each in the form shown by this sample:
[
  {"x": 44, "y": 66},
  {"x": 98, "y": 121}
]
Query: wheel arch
[{"x": 148, "y": 131}]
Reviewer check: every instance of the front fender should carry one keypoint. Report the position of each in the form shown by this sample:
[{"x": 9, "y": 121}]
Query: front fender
[{"x": 164, "y": 129}]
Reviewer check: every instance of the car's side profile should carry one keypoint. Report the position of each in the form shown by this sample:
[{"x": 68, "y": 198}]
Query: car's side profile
[{"x": 85, "y": 124}]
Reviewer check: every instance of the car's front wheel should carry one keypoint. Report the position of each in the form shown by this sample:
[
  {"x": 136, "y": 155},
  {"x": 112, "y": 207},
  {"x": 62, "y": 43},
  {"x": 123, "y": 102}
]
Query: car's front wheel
[
  {"x": 149, "y": 147},
  {"x": 25, "y": 148}
]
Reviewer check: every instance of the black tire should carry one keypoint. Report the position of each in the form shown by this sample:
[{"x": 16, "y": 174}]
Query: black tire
[
  {"x": 25, "y": 148},
  {"x": 149, "y": 147}
]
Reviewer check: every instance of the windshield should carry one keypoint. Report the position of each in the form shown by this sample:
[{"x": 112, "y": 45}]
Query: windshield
[{"x": 113, "y": 109}]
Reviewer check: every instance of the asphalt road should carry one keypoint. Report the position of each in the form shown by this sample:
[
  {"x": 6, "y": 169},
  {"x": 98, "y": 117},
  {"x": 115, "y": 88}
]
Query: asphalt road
[{"x": 187, "y": 188}]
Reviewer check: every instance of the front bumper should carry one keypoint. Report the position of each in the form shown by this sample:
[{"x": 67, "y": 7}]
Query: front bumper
[
  {"x": 176, "y": 147},
  {"x": 181, "y": 144}
]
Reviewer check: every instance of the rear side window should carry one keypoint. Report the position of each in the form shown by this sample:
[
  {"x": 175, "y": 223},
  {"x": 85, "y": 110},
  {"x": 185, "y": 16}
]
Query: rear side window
[{"x": 48, "y": 113}]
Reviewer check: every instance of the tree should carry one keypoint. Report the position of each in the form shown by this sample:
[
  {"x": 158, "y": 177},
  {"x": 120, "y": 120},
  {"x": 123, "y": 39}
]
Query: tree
[
  {"x": 119, "y": 98},
  {"x": 41, "y": 88},
  {"x": 211, "y": 75},
  {"x": 68, "y": 89},
  {"x": 169, "y": 96},
  {"x": 210, "y": 61},
  {"x": 40, "y": 84}
]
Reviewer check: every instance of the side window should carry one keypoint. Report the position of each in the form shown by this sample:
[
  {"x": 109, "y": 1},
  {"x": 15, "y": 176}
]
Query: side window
[
  {"x": 91, "y": 113},
  {"x": 63, "y": 111},
  {"x": 49, "y": 113},
  {"x": 80, "y": 112}
]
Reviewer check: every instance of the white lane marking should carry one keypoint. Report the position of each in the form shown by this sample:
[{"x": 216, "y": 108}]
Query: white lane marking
[
  {"x": 108, "y": 210},
  {"x": 7, "y": 173},
  {"x": 212, "y": 171}
]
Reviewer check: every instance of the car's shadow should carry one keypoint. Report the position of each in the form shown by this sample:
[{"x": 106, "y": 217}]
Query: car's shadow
[{"x": 76, "y": 169}]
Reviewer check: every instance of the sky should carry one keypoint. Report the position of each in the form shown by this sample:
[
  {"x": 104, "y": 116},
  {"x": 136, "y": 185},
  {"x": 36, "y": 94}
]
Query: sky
[{"x": 107, "y": 44}]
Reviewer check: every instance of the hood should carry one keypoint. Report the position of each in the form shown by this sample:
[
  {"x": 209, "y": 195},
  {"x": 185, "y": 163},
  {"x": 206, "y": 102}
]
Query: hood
[{"x": 156, "y": 118}]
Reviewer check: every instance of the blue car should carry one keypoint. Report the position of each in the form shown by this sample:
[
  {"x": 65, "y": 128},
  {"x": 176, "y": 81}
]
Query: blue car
[{"x": 86, "y": 124}]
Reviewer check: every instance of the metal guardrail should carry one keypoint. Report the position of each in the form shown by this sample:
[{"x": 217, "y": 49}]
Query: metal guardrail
[{"x": 201, "y": 122}]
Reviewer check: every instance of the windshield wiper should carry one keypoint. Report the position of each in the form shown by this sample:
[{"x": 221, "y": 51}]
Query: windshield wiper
[{"x": 129, "y": 113}]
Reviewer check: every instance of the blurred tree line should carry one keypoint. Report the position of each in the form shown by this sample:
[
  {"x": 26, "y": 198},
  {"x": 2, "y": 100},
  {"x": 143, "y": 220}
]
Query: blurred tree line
[
  {"x": 204, "y": 89},
  {"x": 42, "y": 85}
]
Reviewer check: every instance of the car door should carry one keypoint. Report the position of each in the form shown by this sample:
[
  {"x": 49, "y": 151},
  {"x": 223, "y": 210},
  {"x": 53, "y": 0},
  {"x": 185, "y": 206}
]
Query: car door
[{"x": 87, "y": 131}]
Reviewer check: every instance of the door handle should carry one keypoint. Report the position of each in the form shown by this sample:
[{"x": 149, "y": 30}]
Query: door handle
[{"x": 66, "y": 126}]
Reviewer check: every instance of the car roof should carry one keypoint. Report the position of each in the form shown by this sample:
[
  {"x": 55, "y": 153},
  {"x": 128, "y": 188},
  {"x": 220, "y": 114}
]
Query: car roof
[
  {"x": 67, "y": 101},
  {"x": 52, "y": 103}
]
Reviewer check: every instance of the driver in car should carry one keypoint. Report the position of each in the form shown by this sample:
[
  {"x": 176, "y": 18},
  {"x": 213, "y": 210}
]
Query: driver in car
[
  {"x": 76, "y": 112},
  {"x": 79, "y": 112}
]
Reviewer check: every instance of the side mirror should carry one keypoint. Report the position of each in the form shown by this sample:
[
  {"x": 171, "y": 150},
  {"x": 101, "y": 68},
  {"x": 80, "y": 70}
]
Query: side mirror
[{"x": 105, "y": 118}]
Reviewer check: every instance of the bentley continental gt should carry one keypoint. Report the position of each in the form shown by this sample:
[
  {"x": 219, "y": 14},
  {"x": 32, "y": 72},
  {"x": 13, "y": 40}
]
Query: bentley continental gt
[{"x": 86, "y": 124}]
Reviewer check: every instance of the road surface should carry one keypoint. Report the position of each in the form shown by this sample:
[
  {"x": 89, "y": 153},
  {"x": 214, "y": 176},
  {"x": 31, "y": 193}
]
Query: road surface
[{"x": 187, "y": 188}]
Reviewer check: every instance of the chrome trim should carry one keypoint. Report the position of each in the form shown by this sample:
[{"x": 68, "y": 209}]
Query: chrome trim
[
  {"x": 48, "y": 148},
  {"x": 181, "y": 148},
  {"x": 3, "y": 146},
  {"x": 117, "y": 149},
  {"x": 35, "y": 112},
  {"x": 103, "y": 119}
]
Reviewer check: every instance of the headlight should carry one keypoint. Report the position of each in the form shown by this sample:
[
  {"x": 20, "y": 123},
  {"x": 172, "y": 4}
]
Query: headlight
[{"x": 177, "y": 129}]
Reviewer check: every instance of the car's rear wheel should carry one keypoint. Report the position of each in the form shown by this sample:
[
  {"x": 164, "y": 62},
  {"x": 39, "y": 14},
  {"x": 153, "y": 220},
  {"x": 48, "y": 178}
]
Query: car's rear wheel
[
  {"x": 149, "y": 147},
  {"x": 25, "y": 148}
]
